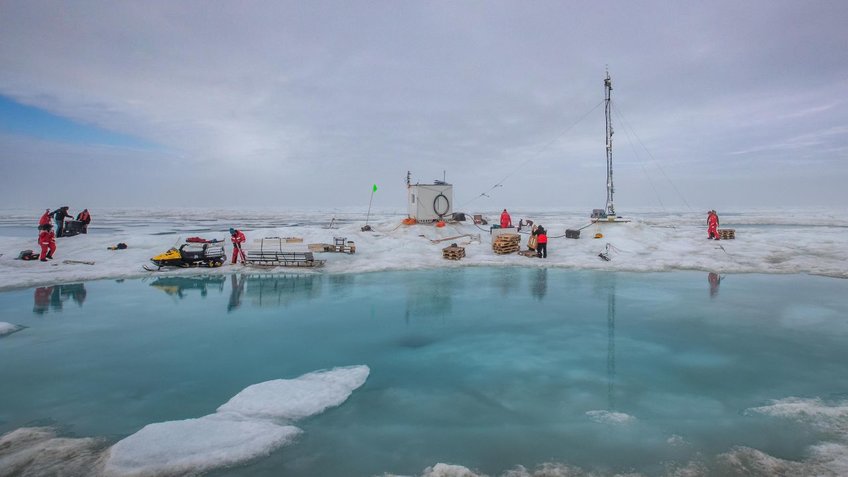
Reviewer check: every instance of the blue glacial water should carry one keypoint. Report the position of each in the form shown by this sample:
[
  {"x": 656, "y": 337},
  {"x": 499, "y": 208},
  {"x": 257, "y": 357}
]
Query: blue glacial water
[{"x": 488, "y": 368}]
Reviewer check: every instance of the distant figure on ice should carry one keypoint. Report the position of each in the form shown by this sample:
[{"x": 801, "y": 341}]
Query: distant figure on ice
[
  {"x": 44, "y": 220},
  {"x": 238, "y": 238},
  {"x": 59, "y": 215},
  {"x": 506, "y": 220},
  {"x": 47, "y": 241},
  {"x": 712, "y": 225},
  {"x": 541, "y": 242},
  {"x": 85, "y": 218},
  {"x": 525, "y": 223}
]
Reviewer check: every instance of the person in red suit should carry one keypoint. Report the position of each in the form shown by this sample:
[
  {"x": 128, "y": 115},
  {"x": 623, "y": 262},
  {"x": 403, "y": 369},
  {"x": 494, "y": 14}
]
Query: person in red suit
[
  {"x": 44, "y": 220},
  {"x": 712, "y": 225},
  {"x": 506, "y": 220},
  {"x": 48, "y": 243},
  {"x": 238, "y": 238},
  {"x": 85, "y": 218},
  {"x": 541, "y": 242}
]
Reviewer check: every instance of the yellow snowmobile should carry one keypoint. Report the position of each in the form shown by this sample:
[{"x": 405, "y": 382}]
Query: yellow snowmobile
[{"x": 191, "y": 254}]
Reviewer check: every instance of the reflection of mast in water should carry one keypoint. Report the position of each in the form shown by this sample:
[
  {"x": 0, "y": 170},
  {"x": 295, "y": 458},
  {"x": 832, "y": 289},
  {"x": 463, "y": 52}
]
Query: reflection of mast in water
[{"x": 611, "y": 348}]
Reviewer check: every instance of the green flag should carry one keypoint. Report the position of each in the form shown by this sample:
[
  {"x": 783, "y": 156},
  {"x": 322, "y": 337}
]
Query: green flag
[{"x": 375, "y": 188}]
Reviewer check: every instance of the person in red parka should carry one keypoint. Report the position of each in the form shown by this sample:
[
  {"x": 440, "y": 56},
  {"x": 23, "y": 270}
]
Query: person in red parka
[
  {"x": 238, "y": 238},
  {"x": 48, "y": 243},
  {"x": 541, "y": 242},
  {"x": 506, "y": 220},
  {"x": 44, "y": 220},
  {"x": 712, "y": 225}
]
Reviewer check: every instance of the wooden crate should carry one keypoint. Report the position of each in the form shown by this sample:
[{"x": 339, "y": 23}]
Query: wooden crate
[
  {"x": 345, "y": 247},
  {"x": 727, "y": 234},
  {"x": 507, "y": 243},
  {"x": 453, "y": 252}
]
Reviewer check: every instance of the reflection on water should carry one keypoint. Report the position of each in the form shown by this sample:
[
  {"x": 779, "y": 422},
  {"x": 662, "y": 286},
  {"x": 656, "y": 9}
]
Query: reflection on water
[
  {"x": 715, "y": 281},
  {"x": 611, "y": 346},
  {"x": 259, "y": 290},
  {"x": 279, "y": 290},
  {"x": 178, "y": 286},
  {"x": 237, "y": 283},
  {"x": 539, "y": 283},
  {"x": 431, "y": 295},
  {"x": 54, "y": 297}
]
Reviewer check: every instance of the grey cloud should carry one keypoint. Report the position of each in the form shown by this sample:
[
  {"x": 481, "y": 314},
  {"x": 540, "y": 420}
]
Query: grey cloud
[{"x": 285, "y": 101}]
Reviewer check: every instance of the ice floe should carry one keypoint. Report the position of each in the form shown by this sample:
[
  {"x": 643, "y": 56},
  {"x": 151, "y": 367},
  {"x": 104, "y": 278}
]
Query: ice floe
[
  {"x": 8, "y": 328},
  {"x": 252, "y": 424},
  {"x": 305, "y": 396}
]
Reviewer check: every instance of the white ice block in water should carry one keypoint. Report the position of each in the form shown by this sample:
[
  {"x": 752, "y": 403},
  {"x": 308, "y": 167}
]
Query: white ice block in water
[
  {"x": 610, "y": 417},
  {"x": 8, "y": 328},
  {"x": 195, "y": 445},
  {"x": 244, "y": 428},
  {"x": 293, "y": 399}
]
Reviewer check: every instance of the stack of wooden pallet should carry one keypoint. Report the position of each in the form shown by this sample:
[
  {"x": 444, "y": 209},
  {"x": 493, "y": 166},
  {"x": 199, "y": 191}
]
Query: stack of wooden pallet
[
  {"x": 339, "y": 245},
  {"x": 454, "y": 252},
  {"x": 506, "y": 243},
  {"x": 727, "y": 234}
]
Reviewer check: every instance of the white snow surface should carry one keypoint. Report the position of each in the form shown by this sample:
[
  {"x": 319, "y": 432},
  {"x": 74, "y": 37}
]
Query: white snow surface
[{"x": 809, "y": 241}]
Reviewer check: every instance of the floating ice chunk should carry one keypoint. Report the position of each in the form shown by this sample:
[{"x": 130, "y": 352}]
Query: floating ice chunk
[
  {"x": 8, "y": 328},
  {"x": 242, "y": 429},
  {"x": 195, "y": 445},
  {"x": 832, "y": 417},
  {"x": 610, "y": 417},
  {"x": 293, "y": 399},
  {"x": 448, "y": 470}
]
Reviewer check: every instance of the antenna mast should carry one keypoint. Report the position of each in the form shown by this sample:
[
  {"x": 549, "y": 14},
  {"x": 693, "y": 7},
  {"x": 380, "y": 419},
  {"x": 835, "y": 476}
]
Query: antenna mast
[{"x": 607, "y": 109}]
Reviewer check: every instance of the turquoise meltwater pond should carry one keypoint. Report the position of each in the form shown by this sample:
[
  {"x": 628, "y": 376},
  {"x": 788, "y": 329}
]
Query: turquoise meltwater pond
[{"x": 487, "y": 368}]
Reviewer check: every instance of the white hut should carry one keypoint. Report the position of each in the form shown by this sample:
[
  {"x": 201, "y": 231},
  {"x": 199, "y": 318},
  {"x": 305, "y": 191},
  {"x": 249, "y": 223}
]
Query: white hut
[{"x": 430, "y": 202}]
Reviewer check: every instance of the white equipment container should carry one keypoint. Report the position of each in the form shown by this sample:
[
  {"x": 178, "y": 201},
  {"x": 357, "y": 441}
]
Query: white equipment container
[{"x": 430, "y": 202}]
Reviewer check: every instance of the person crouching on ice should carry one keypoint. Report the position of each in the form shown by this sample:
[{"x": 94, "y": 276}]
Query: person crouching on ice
[
  {"x": 85, "y": 218},
  {"x": 712, "y": 225},
  {"x": 238, "y": 238},
  {"x": 48, "y": 243}
]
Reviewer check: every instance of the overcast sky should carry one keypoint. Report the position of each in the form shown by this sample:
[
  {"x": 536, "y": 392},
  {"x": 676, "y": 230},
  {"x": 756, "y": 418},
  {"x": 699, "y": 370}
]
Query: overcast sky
[{"x": 717, "y": 104}]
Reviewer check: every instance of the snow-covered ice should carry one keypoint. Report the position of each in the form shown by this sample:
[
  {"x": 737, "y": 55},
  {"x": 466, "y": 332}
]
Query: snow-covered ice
[{"x": 767, "y": 241}]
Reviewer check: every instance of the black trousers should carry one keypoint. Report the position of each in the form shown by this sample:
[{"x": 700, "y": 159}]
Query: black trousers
[{"x": 542, "y": 250}]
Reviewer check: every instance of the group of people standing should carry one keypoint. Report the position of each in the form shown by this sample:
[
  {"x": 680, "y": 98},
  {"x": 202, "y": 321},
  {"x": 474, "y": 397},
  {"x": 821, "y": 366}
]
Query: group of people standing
[
  {"x": 46, "y": 236},
  {"x": 540, "y": 244}
]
